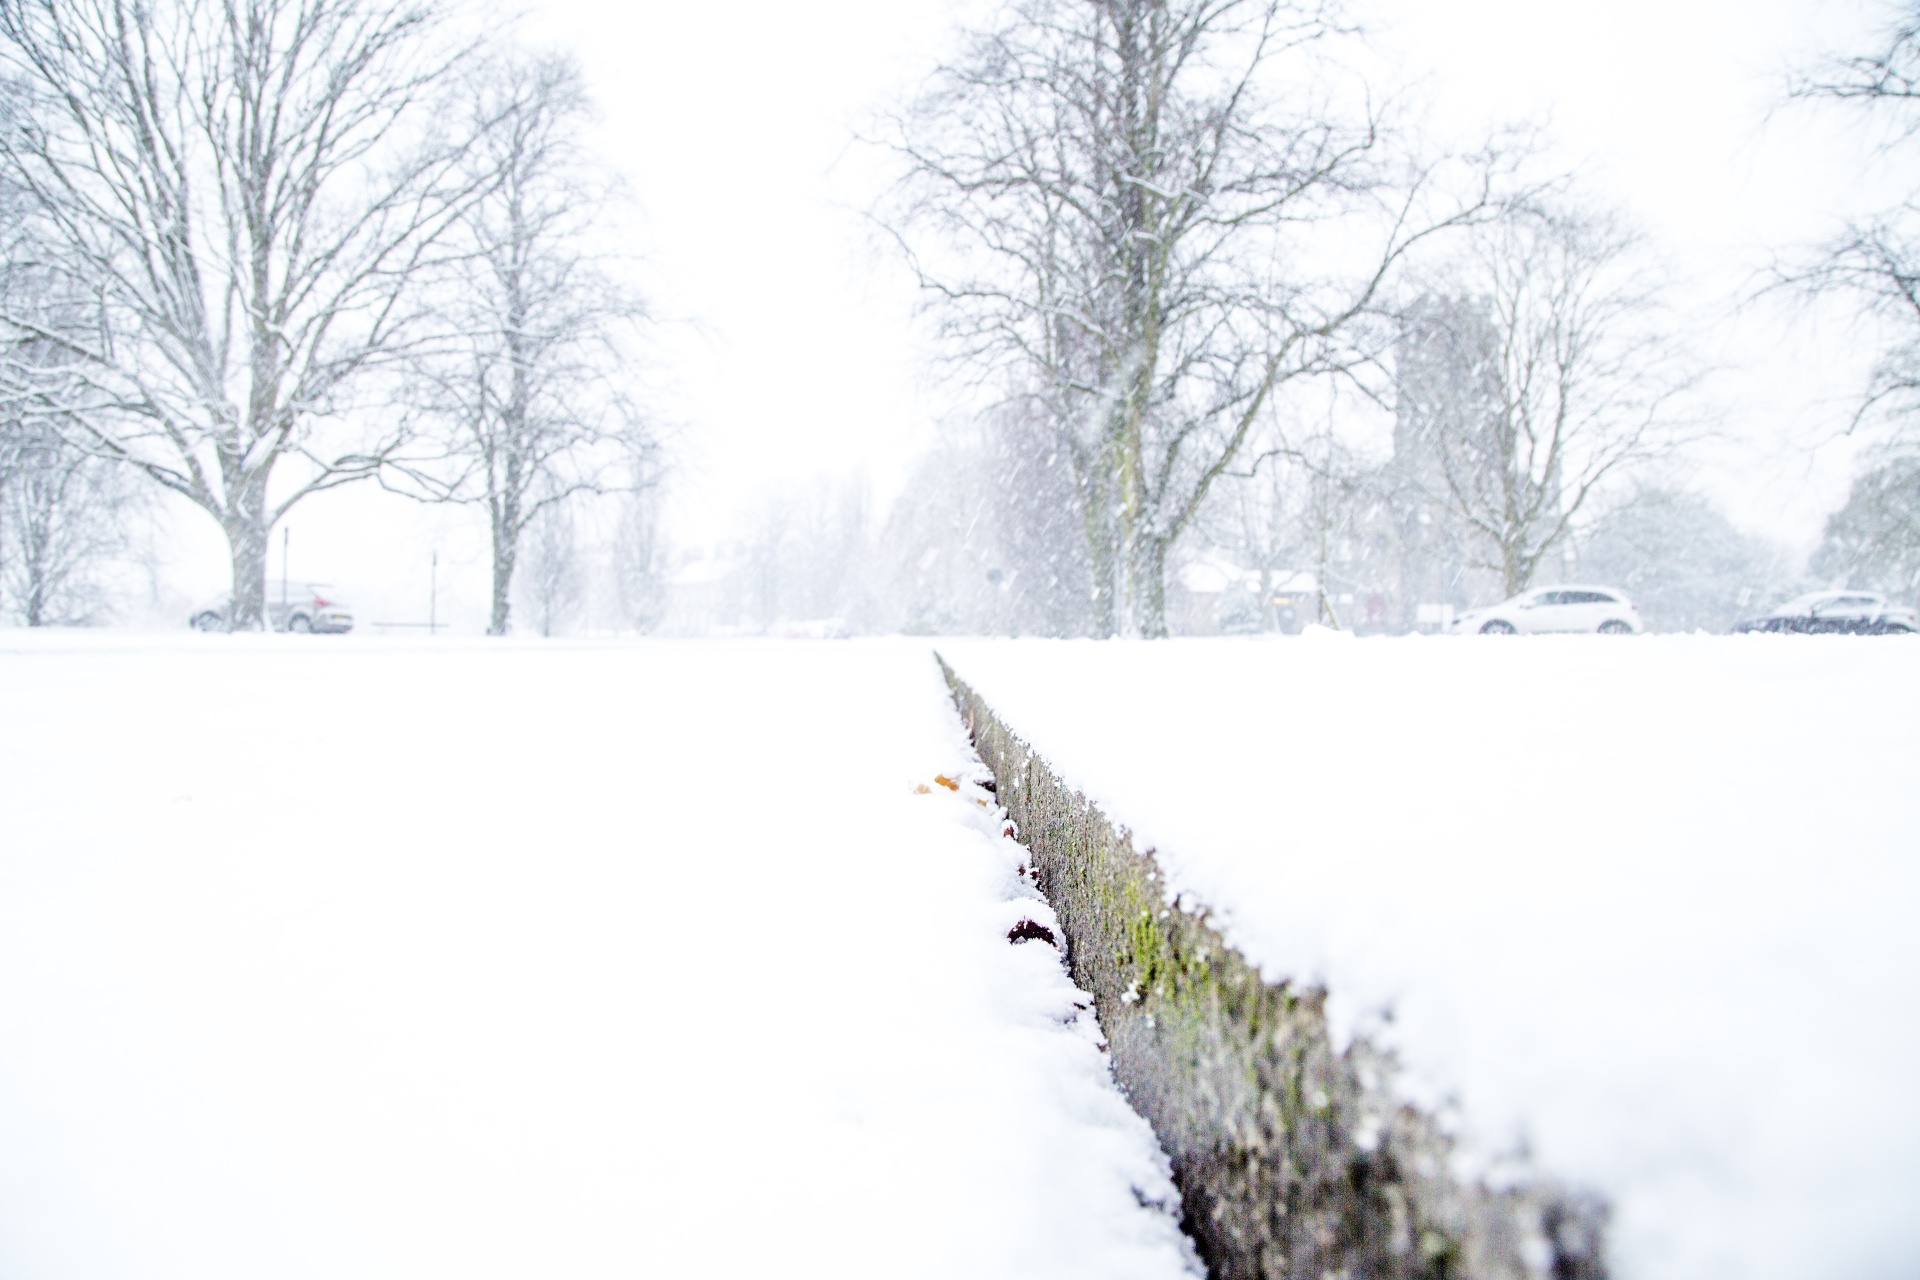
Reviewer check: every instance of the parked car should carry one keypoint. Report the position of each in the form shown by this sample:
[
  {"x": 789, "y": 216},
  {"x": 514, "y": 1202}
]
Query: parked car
[
  {"x": 1849, "y": 612},
  {"x": 1557, "y": 608},
  {"x": 311, "y": 607}
]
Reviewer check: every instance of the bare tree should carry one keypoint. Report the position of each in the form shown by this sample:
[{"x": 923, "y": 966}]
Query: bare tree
[
  {"x": 1875, "y": 260},
  {"x": 985, "y": 538},
  {"x": 1312, "y": 501},
  {"x": 1682, "y": 560},
  {"x": 1124, "y": 211},
  {"x": 1874, "y": 540},
  {"x": 1888, "y": 76},
  {"x": 64, "y": 511},
  {"x": 522, "y": 402},
  {"x": 246, "y": 191},
  {"x": 1553, "y": 377},
  {"x": 555, "y": 581},
  {"x": 63, "y": 518}
]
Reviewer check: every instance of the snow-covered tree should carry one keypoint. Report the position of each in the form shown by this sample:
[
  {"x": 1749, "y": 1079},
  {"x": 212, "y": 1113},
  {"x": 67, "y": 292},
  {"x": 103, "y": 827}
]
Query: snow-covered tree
[
  {"x": 65, "y": 512},
  {"x": 245, "y": 193},
  {"x": 1542, "y": 372},
  {"x": 522, "y": 402},
  {"x": 64, "y": 520},
  {"x": 1874, "y": 540},
  {"x": 1875, "y": 260},
  {"x": 1683, "y": 562},
  {"x": 1124, "y": 210},
  {"x": 553, "y": 581}
]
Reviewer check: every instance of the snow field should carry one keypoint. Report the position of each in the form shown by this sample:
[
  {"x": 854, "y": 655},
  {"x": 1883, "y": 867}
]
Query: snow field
[
  {"x": 327, "y": 958},
  {"x": 1644, "y": 905}
]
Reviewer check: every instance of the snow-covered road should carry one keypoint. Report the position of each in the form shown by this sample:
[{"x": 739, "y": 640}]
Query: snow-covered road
[
  {"x": 366, "y": 958},
  {"x": 1651, "y": 905}
]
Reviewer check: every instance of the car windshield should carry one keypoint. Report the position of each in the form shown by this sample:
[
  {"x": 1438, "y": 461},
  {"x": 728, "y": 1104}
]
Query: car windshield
[{"x": 1803, "y": 604}]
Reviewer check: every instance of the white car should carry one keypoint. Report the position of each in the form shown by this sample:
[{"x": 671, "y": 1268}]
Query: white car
[{"x": 1562, "y": 607}]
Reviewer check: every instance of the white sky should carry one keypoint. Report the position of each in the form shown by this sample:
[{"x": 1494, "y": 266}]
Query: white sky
[{"x": 790, "y": 348}]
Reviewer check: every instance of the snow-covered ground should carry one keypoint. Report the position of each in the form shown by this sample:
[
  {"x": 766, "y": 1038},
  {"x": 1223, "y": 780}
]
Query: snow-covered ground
[
  {"x": 358, "y": 958},
  {"x": 1651, "y": 904}
]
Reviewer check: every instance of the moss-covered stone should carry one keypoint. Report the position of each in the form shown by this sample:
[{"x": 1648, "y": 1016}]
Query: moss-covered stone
[{"x": 1293, "y": 1160}]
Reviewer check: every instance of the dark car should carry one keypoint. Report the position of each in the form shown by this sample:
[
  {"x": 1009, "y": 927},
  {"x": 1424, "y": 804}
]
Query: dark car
[{"x": 1863, "y": 613}]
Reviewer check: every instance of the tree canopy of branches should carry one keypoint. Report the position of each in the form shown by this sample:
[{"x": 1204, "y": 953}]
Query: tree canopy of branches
[
  {"x": 245, "y": 192},
  {"x": 59, "y": 507},
  {"x": 1876, "y": 259},
  {"x": 521, "y": 398},
  {"x": 1534, "y": 374},
  {"x": 1125, "y": 213}
]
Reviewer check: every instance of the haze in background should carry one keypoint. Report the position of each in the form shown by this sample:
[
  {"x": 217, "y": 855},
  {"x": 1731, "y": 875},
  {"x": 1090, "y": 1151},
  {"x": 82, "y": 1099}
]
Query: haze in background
[{"x": 787, "y": 347}]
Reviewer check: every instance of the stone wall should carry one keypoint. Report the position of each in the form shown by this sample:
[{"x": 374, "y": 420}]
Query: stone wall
[{"x": 1293, "y": 1159}]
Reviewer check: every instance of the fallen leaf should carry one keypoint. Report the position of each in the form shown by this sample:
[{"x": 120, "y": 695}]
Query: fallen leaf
[
  {"x": 923, "y": 790},
  {"x": 946, "y": 782}
]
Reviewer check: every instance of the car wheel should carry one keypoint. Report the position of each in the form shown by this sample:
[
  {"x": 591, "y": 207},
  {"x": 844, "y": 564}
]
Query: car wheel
[
  {"x": 206, "y": 622},
  {"x": 1615, "y": 627},
  {"x": 1498, "y": 627},
  {"x": 300, "y": 624}
]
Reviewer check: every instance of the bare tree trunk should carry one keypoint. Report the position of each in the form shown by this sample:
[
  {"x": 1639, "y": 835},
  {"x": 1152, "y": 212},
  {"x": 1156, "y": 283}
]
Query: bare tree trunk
[
  {"x": 500, "y": 617},
  {"x": 1516, "y": 573},
  {"x": 1100, "y": 551},
  {"x": 34, "y": 549},
  {"x": 506, "y": 546},
  {"x": 247, "y": 552},
  {"x": 1150, "y": 581},
  {"x": 249, "y": 529}
]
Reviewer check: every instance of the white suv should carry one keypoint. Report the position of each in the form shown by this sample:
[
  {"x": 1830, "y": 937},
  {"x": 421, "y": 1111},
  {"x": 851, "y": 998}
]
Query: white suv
[{"x": 1563, "y": 607}]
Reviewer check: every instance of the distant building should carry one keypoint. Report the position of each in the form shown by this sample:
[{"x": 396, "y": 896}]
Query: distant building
[
  {"x": 705, "y": 597},
  {"x": 1447, "y": 412},
  {"x": 1212, "y": 596}
]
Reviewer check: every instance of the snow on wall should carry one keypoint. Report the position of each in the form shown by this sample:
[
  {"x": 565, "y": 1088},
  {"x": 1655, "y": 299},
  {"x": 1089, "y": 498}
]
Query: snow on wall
[
  {"x": 1295, "y": 1160},
  {"x": 1645, "y": 905}
]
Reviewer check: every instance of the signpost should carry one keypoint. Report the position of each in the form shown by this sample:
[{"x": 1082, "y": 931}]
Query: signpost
[{"x": 432, "y": 624}]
